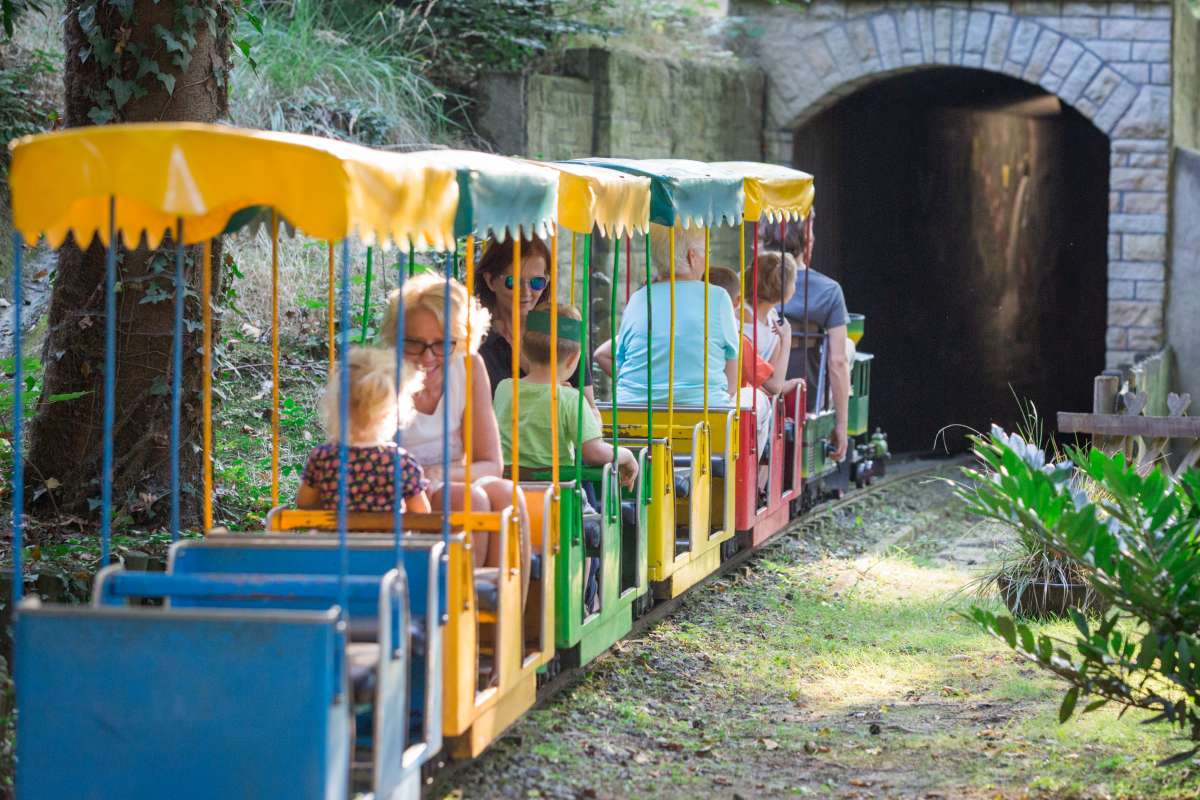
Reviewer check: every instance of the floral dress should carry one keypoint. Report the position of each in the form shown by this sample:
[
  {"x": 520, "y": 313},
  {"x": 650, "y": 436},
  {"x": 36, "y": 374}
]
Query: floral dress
[{"x": 371, "y": 479}]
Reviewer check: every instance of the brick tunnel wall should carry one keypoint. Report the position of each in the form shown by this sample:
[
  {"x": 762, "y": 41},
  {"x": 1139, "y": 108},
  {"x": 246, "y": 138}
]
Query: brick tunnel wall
[{"x": 1110, "y": 61}]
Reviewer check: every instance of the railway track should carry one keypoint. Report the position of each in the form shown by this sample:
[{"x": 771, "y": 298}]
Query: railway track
[{"x": 900, "y": 474}]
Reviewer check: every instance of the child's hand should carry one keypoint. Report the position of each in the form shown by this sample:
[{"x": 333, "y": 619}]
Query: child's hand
[{"x": 627, "y": 468}]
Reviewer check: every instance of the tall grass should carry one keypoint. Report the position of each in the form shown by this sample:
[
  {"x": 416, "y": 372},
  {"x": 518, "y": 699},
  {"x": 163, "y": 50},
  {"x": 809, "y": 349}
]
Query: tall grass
[{"x": 334, "y": 69}]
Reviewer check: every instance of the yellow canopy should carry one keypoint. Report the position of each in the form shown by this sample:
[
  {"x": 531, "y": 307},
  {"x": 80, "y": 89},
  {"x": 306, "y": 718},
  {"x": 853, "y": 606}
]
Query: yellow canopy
[
  {"x": 159, "y": 172},
  {"x": 589, "y": 196},
  {"x": 771, "y": 190}
]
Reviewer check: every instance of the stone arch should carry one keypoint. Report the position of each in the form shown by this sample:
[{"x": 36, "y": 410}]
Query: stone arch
[{"x": 1109, "y": 61}]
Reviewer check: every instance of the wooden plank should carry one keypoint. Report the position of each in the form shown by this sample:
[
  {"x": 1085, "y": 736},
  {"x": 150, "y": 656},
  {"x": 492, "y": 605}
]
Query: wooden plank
[{"x": 1122, "y": 425}]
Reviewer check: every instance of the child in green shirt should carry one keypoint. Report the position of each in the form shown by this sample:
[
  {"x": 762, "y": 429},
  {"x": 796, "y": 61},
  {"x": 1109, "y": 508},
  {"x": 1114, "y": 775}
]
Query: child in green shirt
[{"x": 534, "y": 418}]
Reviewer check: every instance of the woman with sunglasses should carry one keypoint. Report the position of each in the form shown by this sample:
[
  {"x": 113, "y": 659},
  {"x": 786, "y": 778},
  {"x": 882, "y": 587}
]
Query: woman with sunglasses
[
  {"x": 424, "y": 346},
  {"x": 495, "y": 288}
]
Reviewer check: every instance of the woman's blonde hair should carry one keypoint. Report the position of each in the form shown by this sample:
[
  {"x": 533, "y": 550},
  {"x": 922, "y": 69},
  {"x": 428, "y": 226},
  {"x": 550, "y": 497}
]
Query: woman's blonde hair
[
  {"x": 377, "y": 407},
  {"x": 428, "y": 291},
  {"x": 660, "y": 248}
]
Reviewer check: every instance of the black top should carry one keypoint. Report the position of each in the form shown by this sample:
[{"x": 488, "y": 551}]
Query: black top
[{"x": 496, "y": 353}]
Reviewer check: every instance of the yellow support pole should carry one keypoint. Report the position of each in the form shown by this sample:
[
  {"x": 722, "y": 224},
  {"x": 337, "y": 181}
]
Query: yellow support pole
[
  {"x": 206, "y": 270},
  {"x": 554, "y": 363},
  {"x": 330, "y": 314},
  {"x": 274, "y": 357},
  {"x": 467, "y": 415},
  {"x": 671, "y": 345},
  {"x": 706, "y": 252},
  {"x": 516, "y": 365}
]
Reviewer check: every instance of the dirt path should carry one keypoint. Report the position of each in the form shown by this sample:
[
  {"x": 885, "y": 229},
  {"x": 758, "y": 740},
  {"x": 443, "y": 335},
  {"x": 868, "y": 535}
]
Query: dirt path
[{"x": 835, "y": 665}]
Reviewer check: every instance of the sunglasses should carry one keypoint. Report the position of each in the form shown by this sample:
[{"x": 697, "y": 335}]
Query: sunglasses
[
  {"x": 417, "y": 347},
  {"x": 537, "y": 284}
]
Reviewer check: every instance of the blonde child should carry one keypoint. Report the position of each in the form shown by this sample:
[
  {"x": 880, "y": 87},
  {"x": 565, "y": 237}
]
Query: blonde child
[
  {"x": 375, "y": 408},
  {"x": 535, "y": 417}
]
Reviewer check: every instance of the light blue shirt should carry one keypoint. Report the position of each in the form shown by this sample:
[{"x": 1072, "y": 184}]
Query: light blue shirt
[{"x": 633, "y": 348}]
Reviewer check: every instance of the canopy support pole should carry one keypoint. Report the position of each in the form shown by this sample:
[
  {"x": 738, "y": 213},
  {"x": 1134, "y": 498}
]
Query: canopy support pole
[
  {"x": 18, "y": 481},
  {"x": 110, "y": 369},
  {"x": 206, "y": 501},
  {"x": 176, "y": 377},
  {"x": 275, "y": 356}
]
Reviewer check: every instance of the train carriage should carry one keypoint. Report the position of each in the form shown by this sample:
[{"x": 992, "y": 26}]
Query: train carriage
[
  {"x": 337, "y": 649},
  {"x": 241, "y": 666}
]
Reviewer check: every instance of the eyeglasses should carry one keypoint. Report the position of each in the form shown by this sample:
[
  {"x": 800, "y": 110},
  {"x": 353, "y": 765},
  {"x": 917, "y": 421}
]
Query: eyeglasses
[
  {"x": 417, "y": 347},
  {"x": 538, "y": 283}
]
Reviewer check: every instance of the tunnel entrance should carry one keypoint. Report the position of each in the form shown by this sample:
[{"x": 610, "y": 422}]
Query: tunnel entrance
[{"x": 966, "y": 214}]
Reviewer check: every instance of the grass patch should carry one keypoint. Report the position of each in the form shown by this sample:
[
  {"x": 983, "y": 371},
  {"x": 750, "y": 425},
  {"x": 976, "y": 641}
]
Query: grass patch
[{"x": 823, "y": 675}]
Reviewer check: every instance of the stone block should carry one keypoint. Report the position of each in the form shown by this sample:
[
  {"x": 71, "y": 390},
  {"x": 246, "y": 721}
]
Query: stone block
[
  {"x": 1114, "y": 246},
  {"x": 1065, "y": 58},
  {"x": 943, "y": 25},
  {"x": 973, "y": 60},
  {"x": 1139, "y": 145},
  {"x": 1151, "y": 290},
  {"x": 925, "y": 23},
  {"x": 1070, "y": 9},
  {"x": 994, "y": 6},
  {"x": 1114, "y": 107},
  {"x": 1149, "y": 160},
  {"x": 859, "y": 31},
  {"x": 1144, "y": 340},
  {"x": 998, "y": 40},
  {"x": 1122, "y": 9},
  {"x": 1075, "y": 27},
  {"x": 1137, "y": 270},
  {"x": 884, "y": 26},
  {"x": 1135, "y": 313},
  {"x": 1047, "y": 44},
  {"x": 1081, "y": 75},
  {"x": 1144, "y": 202},
  {"x": 1134, "y": 71},
  {"x": 1118, "y": 159},
  {"x": 1141, "y": 30},
  {"x": 1150, "y": 51},
  {"x": 1160, "y": 74},
  {"x": 820, "y": 60},
  {"x": 1036, "y": 8},
  {"x": 1144, "y": 247},
  {"x": 1149, "y": 117},
  {"x": 1115, "y": 338},
  {"x": 1023, "y": 40},
  {"x": 1102, "y": 86},
  {"x": 1121, "y": 290},
  {"x": 1086, "y": 107},
  {"x": 1111, "y": 49},
  {"x": 1137, "y": 223},
  {"x": 958, "y": 34},
  {"x": 1150, "y": 9},
  {"x": 910, "y": 31},
  {"x": 1138, "y": 179},
  {"x": 1114, "y": 359},
  {"x": 1114, "y": 202},
  {"x": 839, "y": 44},
  {"x": 1013, "y": 68},
  {"x": 978, "y": 26}
]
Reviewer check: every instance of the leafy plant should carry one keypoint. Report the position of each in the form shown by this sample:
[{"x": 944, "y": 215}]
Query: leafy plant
[
  {"x": 31, "y": 397},
  {"x": 1139, "y": 546}
]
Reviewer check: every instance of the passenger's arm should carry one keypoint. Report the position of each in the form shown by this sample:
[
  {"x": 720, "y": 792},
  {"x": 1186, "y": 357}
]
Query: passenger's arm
[
  {"x": 486, "y": 455},
  {"x": 589, "y": 394},
  {"x": 733, "y": 378},
  {"x": 604, "y": 357},
  {"x": 308, "y": 497},
  {"x": 598, "y": 452},
  {"x": 417, "y": 503},
  {"x": 839, "y": 382},
  {"x": 779, "y": 363}
]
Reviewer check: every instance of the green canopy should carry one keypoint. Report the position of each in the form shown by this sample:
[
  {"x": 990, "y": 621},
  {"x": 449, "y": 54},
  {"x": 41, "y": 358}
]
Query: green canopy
[
  {"x": 499, "y": 196},
  {"x": 685, "y": 192}
]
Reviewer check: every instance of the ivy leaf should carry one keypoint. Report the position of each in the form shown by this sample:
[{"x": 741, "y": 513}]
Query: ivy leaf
[
  {"x": 1068, "y": 704},
  {"x": 122, "y": 90},
  {"x": 87, "y": 19},
  {"x": 100, "y": 115},
  {"x": 10, "y": 13},
  {"x": 167, "y": 81}
]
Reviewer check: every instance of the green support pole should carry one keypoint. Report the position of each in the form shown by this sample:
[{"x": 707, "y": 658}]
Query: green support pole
[
  {"x": 366, "y": 315},
  {"x": 586, "y": 350},
  {"x": 612, "y": 337}
]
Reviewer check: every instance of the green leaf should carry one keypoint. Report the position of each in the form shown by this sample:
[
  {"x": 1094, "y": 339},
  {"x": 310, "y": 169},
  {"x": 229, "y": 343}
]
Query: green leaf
[
  {"x": 167, "y": 81},
  {"x": 121, "y": 90},
  {"x": 1005, "y": 627},
  {"x": 253, "y": 20},
  {"x": 65, "y": 396},
  {"x": 1080, "y": 623},
  {"x": 1068, "y": 704}
]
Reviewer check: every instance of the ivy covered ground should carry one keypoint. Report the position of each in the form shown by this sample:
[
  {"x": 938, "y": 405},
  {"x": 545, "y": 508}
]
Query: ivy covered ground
[{"x": 836, "y": 665}]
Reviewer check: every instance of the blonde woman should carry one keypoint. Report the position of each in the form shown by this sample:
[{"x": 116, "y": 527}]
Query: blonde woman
[
  {"x": 445, "y": 382},
  {"x": 375, "y": 404}
]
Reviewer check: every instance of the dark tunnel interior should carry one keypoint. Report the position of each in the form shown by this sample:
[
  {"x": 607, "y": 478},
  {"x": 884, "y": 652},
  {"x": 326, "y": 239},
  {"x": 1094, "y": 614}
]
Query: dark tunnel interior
[{"x": 965, "y": 214}]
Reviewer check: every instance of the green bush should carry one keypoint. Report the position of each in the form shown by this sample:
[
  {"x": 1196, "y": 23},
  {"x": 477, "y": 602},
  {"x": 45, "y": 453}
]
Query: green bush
[{"x": 1137, "y": 539}]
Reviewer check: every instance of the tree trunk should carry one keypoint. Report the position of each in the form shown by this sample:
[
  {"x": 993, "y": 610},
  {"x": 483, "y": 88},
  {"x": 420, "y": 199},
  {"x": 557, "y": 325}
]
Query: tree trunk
[{"x": 66, "y": 437}]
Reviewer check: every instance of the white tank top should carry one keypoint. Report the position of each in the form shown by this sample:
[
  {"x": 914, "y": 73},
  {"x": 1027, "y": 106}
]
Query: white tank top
[
  {"x": 767, "y": 338},
  {"x": 422, "y": 437}
]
